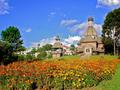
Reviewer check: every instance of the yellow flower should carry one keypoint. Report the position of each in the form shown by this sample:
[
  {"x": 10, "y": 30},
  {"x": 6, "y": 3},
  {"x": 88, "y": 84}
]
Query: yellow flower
[
  {"x": 79, "y": 80},
  {"x": 64, "y": 78}
]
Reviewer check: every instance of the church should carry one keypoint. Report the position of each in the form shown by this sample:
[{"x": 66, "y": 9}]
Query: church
[{"x": 91, "y": 43}]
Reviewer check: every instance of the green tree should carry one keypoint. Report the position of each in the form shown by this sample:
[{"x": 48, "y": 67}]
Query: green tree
[
  {"x": 42, "y": 50},
  {"x": 10, "y": 44},
  {"x": 42, "y": 55},
  {"x": 72, "y": 47},
  {"x": 12, "y": 35},
  {"x": 111, "y": 21},
  {"x": 47, "y": 47},
  {"x": 33, "y": 51},
  {"x": 6, "y": 53},
  {"x": 29, "y": 57}
]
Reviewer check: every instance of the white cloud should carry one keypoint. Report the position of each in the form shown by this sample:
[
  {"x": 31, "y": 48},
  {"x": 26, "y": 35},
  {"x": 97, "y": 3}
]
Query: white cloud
[
  {"x": 68, "y": 22},
  {"x": 71, "y": 40},
  {"x": 65, "y": 41},
  {"x": 78, "y": 27},
  {"x": 43, "y": 42},
  {"x": 52, "y": 13},
  {"x": 98, "y": 28},
  {"x": 4, "y": 7},
  {"x": 108, "y": 2},
  {"x": 29, "y": 30},
  {"x": 81, "y": 27},
  {"x": 74, "y": 26}
]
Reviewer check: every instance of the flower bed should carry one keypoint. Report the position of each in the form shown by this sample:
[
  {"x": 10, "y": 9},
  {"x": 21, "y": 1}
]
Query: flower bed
[{"x": 56, "y": 74}]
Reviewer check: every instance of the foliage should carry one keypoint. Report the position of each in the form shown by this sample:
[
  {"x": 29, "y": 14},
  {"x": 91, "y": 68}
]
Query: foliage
[
  {"x": 43, "y": 51},
  {"x": 21, "y": 57},
  {"x": 119, "y": 57},
  {"x": 112, "y": 21},
  {"x": 47, "y": 47},
  {"x": 59, "y": 75},
  {"x": 33, "y": 51},
  {"x": 42, "y": 55},
  {"x": 12, "y": 35},
  {"x": 49, "y": 55},
  {"x": 72, "y": 47},
  {"x": 29, "y": 56},
  {"x": 6, "y": 53},
  {"x": 10, "y": 44}
]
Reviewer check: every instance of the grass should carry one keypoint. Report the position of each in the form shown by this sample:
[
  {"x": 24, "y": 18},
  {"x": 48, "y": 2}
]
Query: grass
[
  {"x": 105, "y": 57},
  {"x": 65, "y": 58},
  {"x": 94, "y": 57},
  {"x": 113, "y": 84},
  {"x": 77, "y": 57}
]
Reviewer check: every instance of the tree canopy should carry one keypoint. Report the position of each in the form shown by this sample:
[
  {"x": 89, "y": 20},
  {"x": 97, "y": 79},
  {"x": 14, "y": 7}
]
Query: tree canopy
[
  {"x": 6, "y": 53},
  {"x": 10, "y": 43},
  {"x": 111, "y": 23},
  {"x": 12, "y": 35}
]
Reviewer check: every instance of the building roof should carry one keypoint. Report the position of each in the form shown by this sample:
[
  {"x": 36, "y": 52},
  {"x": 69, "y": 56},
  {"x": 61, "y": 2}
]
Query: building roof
[
  {"x": 90, "y": 31},
  {"x": 57, "y": 43}
]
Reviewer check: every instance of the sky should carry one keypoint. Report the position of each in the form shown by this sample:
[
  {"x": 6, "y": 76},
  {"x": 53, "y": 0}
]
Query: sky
[{"x": 39, "y": 21}]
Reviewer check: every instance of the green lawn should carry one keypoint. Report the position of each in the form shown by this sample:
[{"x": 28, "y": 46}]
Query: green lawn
[
  {"x": 105, "y": 57},
  {"x": 78, "y": 57},
  {"x": 94, "y": 57},
  {"x": 113, "y": 84}
]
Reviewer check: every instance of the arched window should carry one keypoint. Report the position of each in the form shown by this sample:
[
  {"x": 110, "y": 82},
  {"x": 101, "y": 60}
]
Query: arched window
[{"x": 87, "y": 50}]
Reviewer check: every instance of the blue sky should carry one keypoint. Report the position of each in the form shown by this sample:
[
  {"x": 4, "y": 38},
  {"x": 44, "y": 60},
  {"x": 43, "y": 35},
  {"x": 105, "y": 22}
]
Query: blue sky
[{"x": 40, "y": 20}]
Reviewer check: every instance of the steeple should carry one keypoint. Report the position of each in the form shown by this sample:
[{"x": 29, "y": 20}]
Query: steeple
[
  {"x": 90, "y": 29},
  {"x": 57, "y": 43},
  {"x": 57, "y": 38},
  {"x": 90, "y": 21}
]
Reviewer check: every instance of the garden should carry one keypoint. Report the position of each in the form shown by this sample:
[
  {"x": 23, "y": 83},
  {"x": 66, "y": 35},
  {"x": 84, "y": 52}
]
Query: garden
[{"x": 58, "y": 74}]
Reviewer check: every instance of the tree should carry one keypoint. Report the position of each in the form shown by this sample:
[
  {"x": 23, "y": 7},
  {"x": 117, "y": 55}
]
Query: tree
[
  {"x": 12, "y": 36},
  {"x": 10, "y": 43},
  {"x": 72, "y": 47},
  {"x": 111, "y": 21},
  {"x": 29, "y": 57},
  {"x": 42, "y": 55},
  {"x": 6, "y": 53},
  {"x": 43, "y": 51},
  {"x": 47, "y": 47},
  {"x": 33, "y": 51}
]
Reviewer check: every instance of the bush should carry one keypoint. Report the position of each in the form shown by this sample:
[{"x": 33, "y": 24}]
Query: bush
[
  {"x": 30, "y": 57},
  {"x": 21, "y": 57},
  {"x": 42, "y": 55},
  {"x": 119, "y": 57}
]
